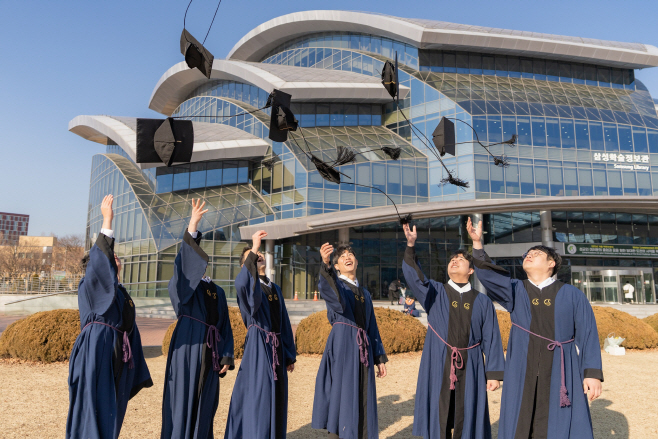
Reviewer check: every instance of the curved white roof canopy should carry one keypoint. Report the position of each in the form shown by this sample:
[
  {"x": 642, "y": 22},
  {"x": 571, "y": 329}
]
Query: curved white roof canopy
[
  {"x": 428, "y": 34},
  {"x": 212, "y": 141},
  {"x": 304, "y": 84},
  {"x": 374, "y": 215}
]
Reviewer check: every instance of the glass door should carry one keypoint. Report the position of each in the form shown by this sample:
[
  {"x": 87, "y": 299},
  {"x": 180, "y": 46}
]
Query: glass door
[{"x": 631, "y": 288}]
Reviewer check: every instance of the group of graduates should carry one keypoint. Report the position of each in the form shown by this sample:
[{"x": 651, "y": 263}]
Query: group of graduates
[{"x": 553, "y": 348}]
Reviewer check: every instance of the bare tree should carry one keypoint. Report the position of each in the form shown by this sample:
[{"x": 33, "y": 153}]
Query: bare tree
[
  {"x": 67, "y": 254},
  {"x": 23, "y": 258}
]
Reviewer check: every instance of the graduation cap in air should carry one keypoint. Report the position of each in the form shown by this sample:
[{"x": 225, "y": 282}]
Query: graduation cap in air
[
  {"x": 195, "y": 54},
  {"x": 164, "y": 140},
  {"x": 390, "y": 78},
  {"x": 443, "y": 137},
  {"x": 282, "y": 119}
]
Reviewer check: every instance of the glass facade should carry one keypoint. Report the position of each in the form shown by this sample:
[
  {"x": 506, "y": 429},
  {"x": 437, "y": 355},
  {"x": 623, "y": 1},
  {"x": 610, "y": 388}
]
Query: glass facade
[{"x": 583, "y": 130}]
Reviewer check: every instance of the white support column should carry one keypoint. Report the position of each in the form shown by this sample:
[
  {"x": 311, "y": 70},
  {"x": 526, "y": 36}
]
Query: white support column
[
  {"x": 269, "y": 259},
  {"x": 344, "y": 236},
  {"x": 546, "y": 222}
]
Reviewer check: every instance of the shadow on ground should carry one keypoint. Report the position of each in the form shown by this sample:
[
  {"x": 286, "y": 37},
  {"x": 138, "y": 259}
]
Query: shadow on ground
[{"x": 152, "y": 351}]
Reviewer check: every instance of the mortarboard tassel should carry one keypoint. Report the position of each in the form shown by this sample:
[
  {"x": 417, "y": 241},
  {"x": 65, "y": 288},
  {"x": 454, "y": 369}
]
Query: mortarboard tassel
[
  {"x": 511, "y": 141},
  {"x": 269, "y": 163},
  {"x": 345, "y": 155},
  {"x": 406, "y": 219},
  {"x": 326, "y": 171},
  {"x": 501, "y": 161},
  {"x": 450, "y": 179},
  {"x": 393, "y": 153}
]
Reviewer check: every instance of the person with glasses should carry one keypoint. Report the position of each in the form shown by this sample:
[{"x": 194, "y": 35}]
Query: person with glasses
[
  {"x": 553, "y": 355},
  {"x": 453, "y": 380}
]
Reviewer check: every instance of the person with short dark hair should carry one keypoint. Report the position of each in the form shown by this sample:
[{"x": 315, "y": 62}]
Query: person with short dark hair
[
  {"x": 107, "y": 366},
  {"x": 394, "y": 291},
  {"x": 259, "y": 404},
  {"x": 453, "y": 380},
  {"x": 201, "y": 346},
  {"x": 553, "y": 347},
  {"x": 345, "y": 402},
  {"x": 410, "y": 306}
]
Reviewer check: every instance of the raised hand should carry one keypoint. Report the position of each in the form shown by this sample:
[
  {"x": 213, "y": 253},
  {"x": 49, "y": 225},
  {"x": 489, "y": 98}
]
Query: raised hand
[
  {"x": 197, "y": 214},
  {"x": 257, "y": 238},
  {"x": 411, "y": 235},
  {"x": 475, "y": 232},
  {"x": 325, "y": 251},
  {"x": 106, "y": 210}
]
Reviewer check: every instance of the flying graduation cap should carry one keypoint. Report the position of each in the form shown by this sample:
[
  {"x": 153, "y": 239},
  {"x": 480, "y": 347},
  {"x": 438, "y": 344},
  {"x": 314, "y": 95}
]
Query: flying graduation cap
[
  {"x": 195, "y": 54},
  {"x": 282, "y": 119},
  {"x": 164, "y": 140},
  {"x": 390, "y": 78},
  {"x": 443, "y": 137}
]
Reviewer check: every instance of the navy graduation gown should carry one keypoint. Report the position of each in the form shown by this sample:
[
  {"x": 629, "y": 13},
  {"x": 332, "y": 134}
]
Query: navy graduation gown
[
  {"x": 191, "y": 388},
  {"x": 462, "y": 320},
  {"x": 533, "y": 374},
  {"x": 345, "y": 401},
  {"x": 100, "y": 383},
  {"x": 253, "y": 412}
]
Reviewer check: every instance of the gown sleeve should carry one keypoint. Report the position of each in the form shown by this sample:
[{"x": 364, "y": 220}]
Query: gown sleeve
[
  {"x": 375, "y": 338},
  {"x": 496, "y": 280},
  {"x": 424, "y": 289},
  {"x": 100, "y": 281},
  {"x": 189, "y": 267},
  {"x": 492, "y": 345},
  {"x": 247, "y": 284},
  {"x": 287, "y": 339},
  {"x": 587, "y": 338},
  {"x": 225, "y": 332},
  {"x": 328, "y": 286}
]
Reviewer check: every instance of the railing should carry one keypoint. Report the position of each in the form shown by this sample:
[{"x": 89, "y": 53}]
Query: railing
[{"x": 38, "y": 284}]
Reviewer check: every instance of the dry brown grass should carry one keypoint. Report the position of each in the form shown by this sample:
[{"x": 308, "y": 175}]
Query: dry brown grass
[
  {"x": 652, "y": 321},
  {"x": 505, "y": 324},
  {"x": 638, "y": 334},
  {"x": 46, "y": 336},
  {"x": 399, "y": 332},
  {"x": 239, "y": 333}
]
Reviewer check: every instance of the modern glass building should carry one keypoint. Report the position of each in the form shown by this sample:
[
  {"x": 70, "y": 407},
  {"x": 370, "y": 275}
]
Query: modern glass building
[{"x": 582, "y": 177}]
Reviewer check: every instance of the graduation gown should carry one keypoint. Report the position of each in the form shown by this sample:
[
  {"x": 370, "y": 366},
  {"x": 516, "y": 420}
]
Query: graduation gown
[
  {"x": 100, "y": 383},
  {"x": 191, "y": 388},
  {"x": 259, "y": 404},
  {"x": 463, "y": 320},
  {"x": 345, "y": 400},
  {"x": 530, "y": 405}
]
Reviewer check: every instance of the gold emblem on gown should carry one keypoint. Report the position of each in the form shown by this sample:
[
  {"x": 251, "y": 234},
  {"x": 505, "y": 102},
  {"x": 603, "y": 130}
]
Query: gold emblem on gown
[
  {"x": 467, "y": 305},
  {"x": 547, "y": 302},
  {"x": 535, "y": 301},
  {"x": 455, "y": 304}
]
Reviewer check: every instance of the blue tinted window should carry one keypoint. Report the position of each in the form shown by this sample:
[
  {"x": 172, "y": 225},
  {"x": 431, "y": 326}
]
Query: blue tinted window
[
  {"x": 497, "y": 179},
  {"x": 165, "y": 183},
  {"x": 541, "y": 180},
  {"x": 614, "y": 182},
  {"x": 567, "y": 134},
  {"x": 625, "y": 138},
  {"x": 379, "y": 176},
  {"x": 610, "y": 135},
  {"x": 630, "y": 185},
  {"x": 596, "y": 136},
  {"x": 214, "y": 174},
  {"x": 181, "y": 179},
  {"x": 557, "y": 185},
  {"x": 230, "y": 175},
  {"x": 582, "y": 135},
  {"x": 495, "y": 129},
  {"x": 527, "y": 180},
  {"x": 652, "y": 139},
  {"x": 523, "y": 130},
  {"x": 552, "y": 132},
  {"x": 393, "y": 174},
  {"x": 600, "y": 182},
  {"x": 481, "y": 177},
  {"x": 197, "y": 179},
  {"x": 640, "y": 139}
]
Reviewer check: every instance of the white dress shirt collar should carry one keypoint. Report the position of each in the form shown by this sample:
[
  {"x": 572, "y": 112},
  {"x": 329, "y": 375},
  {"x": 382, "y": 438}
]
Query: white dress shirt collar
[
  {"x": 268, "y": 284},
  {"x": 459, "y": 289},
  {"x": 544, "y": 284},
  {"x": 206, "y": 279},
  {"x": 347, "y": 279}
]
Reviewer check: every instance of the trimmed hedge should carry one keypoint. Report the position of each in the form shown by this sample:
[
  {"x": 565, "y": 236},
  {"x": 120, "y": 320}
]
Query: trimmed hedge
[
  {"x": 505, "y": 324},
  {"x": 638, "y": 334},
  {"x": 239, "y": 333},
  {"x": 399, "y": 332},
  {"x": 46, "y": 336},
  {"x": 652, "y": 321}
]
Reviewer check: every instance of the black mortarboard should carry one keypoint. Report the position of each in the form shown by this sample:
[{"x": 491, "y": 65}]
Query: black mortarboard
[
  {"x": 195, "y": 54},
  {"x": 393, "y": 153},
  {"x": 282, "y": 119},
  {"x": 390, "y": 78},
  {"x": 164, "y": 140},
  {"x": 444, "y": 137}
]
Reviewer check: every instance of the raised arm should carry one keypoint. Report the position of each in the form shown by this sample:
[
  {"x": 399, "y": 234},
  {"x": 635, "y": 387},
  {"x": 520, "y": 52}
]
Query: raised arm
[
  {"x": 101, "y": 281},
  {"x": 495, "y": 279},
  {"x": 247, "y": 284},
  {"x": 328, "y": 282},
  {"x": 587, "y": 341},
  {"x": 422, "y": 287},
  {"x": 492, "y": 346},
  {"x": 190, "y": 263}
]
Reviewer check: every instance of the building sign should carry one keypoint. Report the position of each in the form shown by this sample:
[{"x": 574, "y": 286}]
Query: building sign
[
  {"x": 624, "y": 161},
  {"x": 612, "y": 250}
]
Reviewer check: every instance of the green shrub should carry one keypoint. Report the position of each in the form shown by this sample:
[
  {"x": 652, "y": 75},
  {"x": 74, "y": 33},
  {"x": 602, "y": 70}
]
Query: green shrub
[
  {"x": 638, "y": 334},
  {"x": 239, "y": 333},
  {"x": 399, "y": 332},
  {"x": 652, "y": 321},
  {"x": 46, "y": 336}
]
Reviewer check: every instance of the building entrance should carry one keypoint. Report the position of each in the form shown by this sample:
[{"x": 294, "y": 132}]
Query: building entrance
[{"x": 614, "y": 286}]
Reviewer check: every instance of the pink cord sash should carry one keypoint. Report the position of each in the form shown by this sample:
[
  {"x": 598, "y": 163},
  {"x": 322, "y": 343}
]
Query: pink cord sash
[
  {"x": 127, "y": 356},
  {"x": 212, "y": 338},
  {"x": 273, "y": 339},
  {"x": 564, "y": 398},
  {"x": 361, "y": 340},
  {"x": 456, "y": 355}
]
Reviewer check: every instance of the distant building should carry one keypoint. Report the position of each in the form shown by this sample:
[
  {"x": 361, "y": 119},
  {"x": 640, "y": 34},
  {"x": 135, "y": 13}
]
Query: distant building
[
  {"x": 12, "y": 225},
  {"x": 38, "y": 246}
]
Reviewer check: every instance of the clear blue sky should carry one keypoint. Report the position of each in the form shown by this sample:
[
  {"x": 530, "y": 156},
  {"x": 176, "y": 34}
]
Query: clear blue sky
[{"x": 64, "y": 58}]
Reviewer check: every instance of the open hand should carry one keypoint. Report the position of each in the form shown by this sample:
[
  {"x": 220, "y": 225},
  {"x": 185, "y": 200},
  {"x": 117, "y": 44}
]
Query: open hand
[
  {"x": 593, "y": 386},
  {"x": 106, "y": 210},
  {"x": 325, "y": 251},
  {"x": 493, "y": 385},
  {"x": 411, "y": 235},
  {"x": 197, "y": 214},
  {"x": 224, "y": 369},
  {"x": 381, "y": 370},
  {"x": 475, "y": 232},
  {"x": 291, "y": 367},
  {"x": 256, "y": 239}
]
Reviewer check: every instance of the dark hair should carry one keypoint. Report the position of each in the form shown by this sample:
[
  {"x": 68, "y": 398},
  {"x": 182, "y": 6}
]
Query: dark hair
[
  {"x": 244, "y": 255},
  {"x": 84, "y": 262},
  {"x": 464, "y": 254},
  {"x": 551, "y": 255},
  {"x": 339, "y": 252}
]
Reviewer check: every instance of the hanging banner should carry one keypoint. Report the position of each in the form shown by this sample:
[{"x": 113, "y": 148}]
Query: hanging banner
[{"x": 629, "y": 250}]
